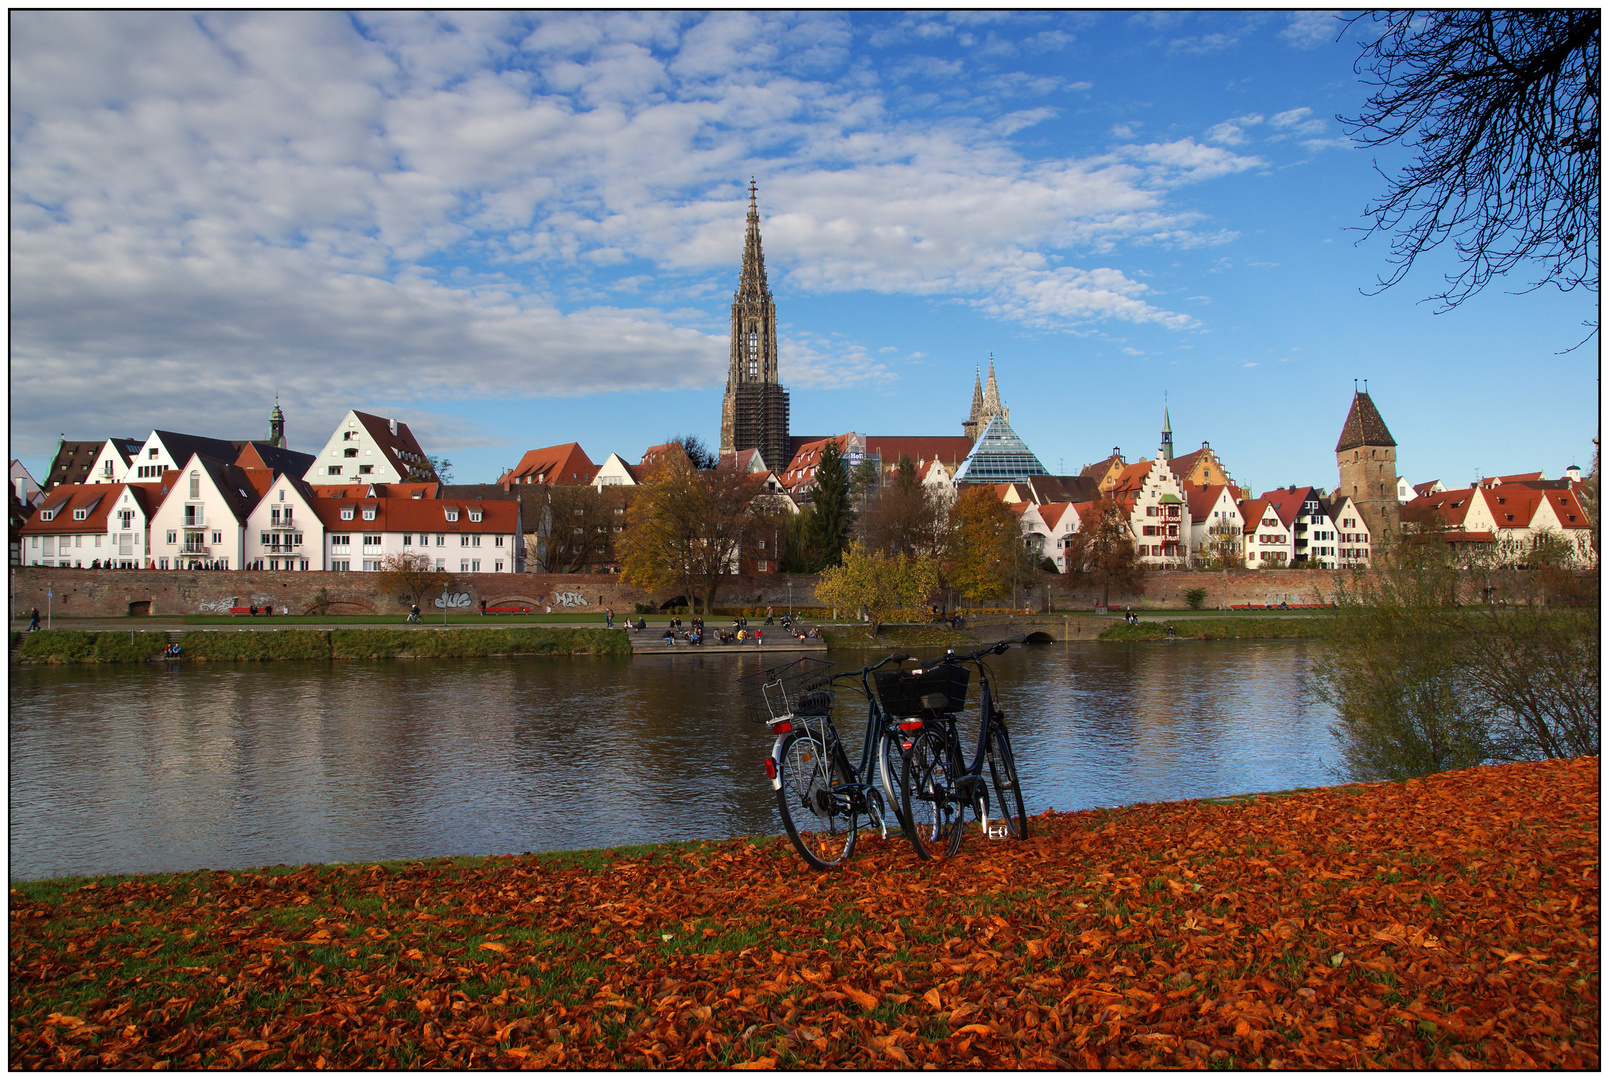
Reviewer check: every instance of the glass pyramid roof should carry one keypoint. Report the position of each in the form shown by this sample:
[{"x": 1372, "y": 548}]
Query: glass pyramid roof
[{"x": 998, "y": 456}]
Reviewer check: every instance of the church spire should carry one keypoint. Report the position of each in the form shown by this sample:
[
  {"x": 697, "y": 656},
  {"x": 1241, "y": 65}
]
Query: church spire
[
  {"x": 1167, "y": 431},
  {"x": 991, "y": 393},
  {"x": 752, "y": 285}
]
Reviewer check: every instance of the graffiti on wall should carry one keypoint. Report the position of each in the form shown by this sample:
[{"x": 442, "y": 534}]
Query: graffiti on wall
[
  {"x": 569, "y": 599},
  {"x": 453, "y": 600},
  {"x": 220, "y": 606}
]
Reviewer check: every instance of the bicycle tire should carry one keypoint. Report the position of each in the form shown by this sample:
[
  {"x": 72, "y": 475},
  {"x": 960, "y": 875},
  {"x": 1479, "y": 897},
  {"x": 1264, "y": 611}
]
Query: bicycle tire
[
  {"x": 1007, "y": 789},
  {"x": 821, "y": 822},
  {"x": 925, "y": 791}
]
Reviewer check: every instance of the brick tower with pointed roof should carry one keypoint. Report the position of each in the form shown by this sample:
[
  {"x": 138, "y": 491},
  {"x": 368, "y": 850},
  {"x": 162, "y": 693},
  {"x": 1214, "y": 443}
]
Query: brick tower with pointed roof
[
  {"x": 1366, "y": 455},
  {"x": 754, "y": 412}
]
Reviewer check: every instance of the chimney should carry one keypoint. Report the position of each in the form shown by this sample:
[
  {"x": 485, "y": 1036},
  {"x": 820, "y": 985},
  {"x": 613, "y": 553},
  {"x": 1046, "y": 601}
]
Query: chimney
[{"x": 393, "y": 423}]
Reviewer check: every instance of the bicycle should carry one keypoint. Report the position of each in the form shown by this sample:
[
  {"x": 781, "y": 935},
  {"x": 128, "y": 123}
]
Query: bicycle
[
  {"x": 937, "y": 784},
  {"x": 821, "y": 794}
]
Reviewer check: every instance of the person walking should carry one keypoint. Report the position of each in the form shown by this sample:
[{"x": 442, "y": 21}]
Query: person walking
[
  {"x": 33, "y": 619},
  {"x": 609, "y": 618}
]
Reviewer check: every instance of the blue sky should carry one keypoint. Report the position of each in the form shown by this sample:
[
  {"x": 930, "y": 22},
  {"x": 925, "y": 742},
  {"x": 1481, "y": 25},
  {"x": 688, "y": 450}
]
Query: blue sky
[{"x": 518, "y": 230}]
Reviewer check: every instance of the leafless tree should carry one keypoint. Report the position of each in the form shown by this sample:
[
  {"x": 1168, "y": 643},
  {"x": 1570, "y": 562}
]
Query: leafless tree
[{"x": 1501, "y": 109}]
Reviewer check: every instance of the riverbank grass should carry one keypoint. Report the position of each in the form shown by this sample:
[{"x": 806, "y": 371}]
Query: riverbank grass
[
  {"x": 1446, "y": 922},
  {"x": 1216, "y": 629}
]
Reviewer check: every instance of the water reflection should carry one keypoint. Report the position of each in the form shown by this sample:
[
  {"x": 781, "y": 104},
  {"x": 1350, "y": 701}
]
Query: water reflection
[{"x": 172, "y": 768}]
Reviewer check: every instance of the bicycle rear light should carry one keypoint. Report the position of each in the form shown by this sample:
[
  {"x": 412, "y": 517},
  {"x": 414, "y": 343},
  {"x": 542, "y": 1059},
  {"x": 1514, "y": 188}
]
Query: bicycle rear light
[
  {"x": 781, "y": 727},
  {"x": 771, "y": 768},
  {"x": 910, "y": 725}
]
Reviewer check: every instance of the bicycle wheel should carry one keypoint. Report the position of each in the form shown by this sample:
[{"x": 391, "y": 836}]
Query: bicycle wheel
[
  {"x": 931, "y": 813},
  {"x": 1007, "y": 791},
  {"x": 820, "y": 820}
]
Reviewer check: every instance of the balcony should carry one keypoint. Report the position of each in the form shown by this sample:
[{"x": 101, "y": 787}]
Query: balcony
[
  {"x": 195, "y": 549},
  {"x": 194, "y": 518}
]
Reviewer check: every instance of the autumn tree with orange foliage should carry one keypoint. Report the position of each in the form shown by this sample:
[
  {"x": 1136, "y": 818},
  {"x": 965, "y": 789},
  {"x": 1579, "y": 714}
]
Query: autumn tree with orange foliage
[
  {"x": 983, "y": 551},
  {"x": 1102, "y": 551}
]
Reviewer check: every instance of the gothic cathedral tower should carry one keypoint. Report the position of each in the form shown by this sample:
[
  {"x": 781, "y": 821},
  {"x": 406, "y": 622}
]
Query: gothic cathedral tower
[
  {"x": 1367, "y": 457},
  {"x": 754, "y": 412}
]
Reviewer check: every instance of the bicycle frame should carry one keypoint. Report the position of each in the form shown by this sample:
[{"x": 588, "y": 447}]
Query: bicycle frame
[
  {"x": 969, "y": 776},
  {"x": 877, "y": 723}
]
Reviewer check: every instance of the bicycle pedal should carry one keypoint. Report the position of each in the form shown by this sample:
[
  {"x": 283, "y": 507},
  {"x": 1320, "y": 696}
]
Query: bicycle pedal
[{"x": 999, "y": 830}]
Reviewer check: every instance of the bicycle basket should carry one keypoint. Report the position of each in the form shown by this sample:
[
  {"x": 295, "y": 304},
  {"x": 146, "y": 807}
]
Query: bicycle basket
[
  {"x": 937, "y": 690},
  {"x": 800, "y": 688}
]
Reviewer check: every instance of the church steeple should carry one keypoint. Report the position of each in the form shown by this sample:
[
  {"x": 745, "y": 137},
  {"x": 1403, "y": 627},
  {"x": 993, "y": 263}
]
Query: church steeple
[
  {"x": 276, "y": 425},
  {"x": 754, "y": 412},
  {"x": 1167, "y": 433},
  {"x": 985, "y": 404}
]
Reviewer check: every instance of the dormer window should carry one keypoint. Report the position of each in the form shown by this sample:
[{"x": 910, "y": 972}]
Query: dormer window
[
  {"x": 474, "y": 515},
  {"x": 452, "y": 515},
  {"x": 346, "y": 513},
  {"x": 47, "y": 515},
  {"x": 80, "y": 514},
  {"x": 368, "y": 513}
]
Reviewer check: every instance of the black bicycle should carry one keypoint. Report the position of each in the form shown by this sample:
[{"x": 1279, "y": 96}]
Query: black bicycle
[
  {"x": 821, "y": 794},
  {"x": 938, "y": 785}
]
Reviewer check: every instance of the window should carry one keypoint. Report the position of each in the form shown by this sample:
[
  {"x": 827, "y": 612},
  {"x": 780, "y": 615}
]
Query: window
[
  {"x": 463, "y": 566},
  {"x": 265, "y": 539},
  {"x": 441, "y": 541},
  {"x": 452, "y": 515},
  {"x": 371, "y": 564},
  {"x": 474, "y": 514},
  {"x": 335, "y": 470},
  {"x": 364, "y": 470},
  {"x": 162, "y": 563},
  {"x": 474, "y": 566},
  {"x": 371, "y": 540},
  {"x": 217, "y": 538},
  {"x": 499, "y": 540},
  {"x": 173, "y": 536},
  {"x": 497, "y": 567},
  {"x": 407, "y": 539},
  {"x": 350, "y": 451},
  {"x": 195, "y": 484},
  {"x": 80, "y": 514},
  {"x": 346, "y": 513},
  {"x": 340, "y": 564},
  {"x": 474, "y": 541},
  {"x": 151, "y": 453},
  {"x": 441, "y": 564},
  {"x": 348, "y": 436},
  {"x": 368, "y": 513},
  {"x": 47, "y": 515},
  {"x": 340, "y": 539}
]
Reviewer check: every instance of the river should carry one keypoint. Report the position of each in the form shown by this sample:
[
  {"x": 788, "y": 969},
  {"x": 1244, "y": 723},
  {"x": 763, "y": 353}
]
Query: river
[{"x": 136, "y": 769}]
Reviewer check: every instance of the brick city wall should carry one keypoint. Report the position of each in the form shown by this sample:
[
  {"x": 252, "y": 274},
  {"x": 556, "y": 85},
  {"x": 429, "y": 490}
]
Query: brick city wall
[{"x": 94, "y": 593}]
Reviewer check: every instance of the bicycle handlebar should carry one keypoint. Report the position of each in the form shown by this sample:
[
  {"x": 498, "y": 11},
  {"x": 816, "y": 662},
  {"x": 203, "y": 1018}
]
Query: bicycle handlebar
[{"x": 898, "y": 658}]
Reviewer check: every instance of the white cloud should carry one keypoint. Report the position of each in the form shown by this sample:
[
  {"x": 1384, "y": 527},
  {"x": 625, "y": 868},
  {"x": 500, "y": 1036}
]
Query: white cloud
[
  {"x": 1311, "y": 29},
  {"x": 456, "y": 203}
]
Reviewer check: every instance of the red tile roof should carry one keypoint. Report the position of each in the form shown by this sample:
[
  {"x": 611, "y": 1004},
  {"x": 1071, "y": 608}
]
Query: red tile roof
[
  {"x": 1201, "y": 500},
  {"x": 417, "y": 515},
  {"x": 1053, "y": 513},
  {"x": 1452, "y": 504},
  {"x": 1287, "y": 503},
  {"x": 922, "y": 449},
  {"x": 566, "y": 463},
  {"x": 62, "y": 500}
]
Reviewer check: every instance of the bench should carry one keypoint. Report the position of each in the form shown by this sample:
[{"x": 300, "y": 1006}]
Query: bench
[
  {"x": 507, "y": 610},
  {"x": 247, "y": 611}
]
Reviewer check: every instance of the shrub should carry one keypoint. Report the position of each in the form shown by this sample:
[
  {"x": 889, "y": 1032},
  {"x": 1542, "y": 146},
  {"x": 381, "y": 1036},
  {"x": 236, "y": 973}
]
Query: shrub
[
  {"x": 1195, "y": 598},
  {"x": 58, "y": 646},
  {"x": 256, "y": 644}
]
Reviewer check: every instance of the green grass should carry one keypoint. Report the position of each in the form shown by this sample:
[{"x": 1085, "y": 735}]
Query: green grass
[
  {"x": 469, "y": 617},
  {"x": 1212, "y": 628}
]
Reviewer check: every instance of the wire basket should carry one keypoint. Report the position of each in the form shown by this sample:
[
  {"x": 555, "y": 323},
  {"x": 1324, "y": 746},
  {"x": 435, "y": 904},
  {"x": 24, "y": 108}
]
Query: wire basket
[
  {"x": 941, "y": 689},
  {"x": 800, "y": 688}
]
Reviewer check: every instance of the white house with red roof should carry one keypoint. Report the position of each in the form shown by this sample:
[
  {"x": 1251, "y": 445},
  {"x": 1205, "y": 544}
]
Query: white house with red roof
[
  {"x": 1215, "y": 522},
  {"x": 1269, "y": 540},
  {"x": 1314, "y": 535},
  {"x": 1058, "y": 522},
  {"x": 468, "y": 536},
  {"x": 370, "y": 449},
  {"x": 566, "y": 463},
  {"x": 69, "y": 527}
]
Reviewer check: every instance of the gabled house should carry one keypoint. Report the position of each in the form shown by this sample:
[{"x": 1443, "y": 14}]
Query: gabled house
[
  {"x": 111, "y": 465},
  {"x": 23, "y": 485},
  {"x": 1269, "y": 541},
  {"x": 265, "y": 455},
  {"x": 283, "y": 530},
  {"x": 1059, "y": 521},
  {"x": 1154, "y": 501},
  {"x": 1352, "y": 532},
  {"x": 163, "y": 451},
  {"x": 1201, "y": 468},
  {"x": 566, "y": 463},
  {"x": 370, "y": 449},
  {"x": 615, "y": 472},
  {"x": 1217, "y": 531},
  {"x": 1106, "y": 471},
  {"x": 1560, "y": 513},
  {"x": 1302, "y": 511},
  {"x": 800, "y": 475},
  {"x": 460, "y": 536},
  {"x": 201, "y": 523}
]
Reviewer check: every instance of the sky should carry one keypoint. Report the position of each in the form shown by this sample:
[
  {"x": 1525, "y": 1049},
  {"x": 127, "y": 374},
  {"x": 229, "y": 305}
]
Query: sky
[{"x": 516, "y": 230}]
